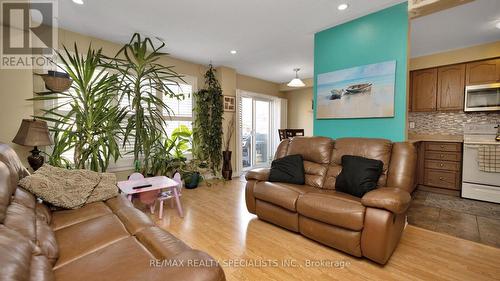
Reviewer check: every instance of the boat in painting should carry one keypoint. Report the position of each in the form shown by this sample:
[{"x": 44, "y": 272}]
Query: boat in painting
[{"x": 359, "y": 88}]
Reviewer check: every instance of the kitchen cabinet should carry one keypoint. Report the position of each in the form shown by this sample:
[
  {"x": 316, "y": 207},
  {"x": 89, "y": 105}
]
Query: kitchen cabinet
[
  {"x": 483, "y": 72},
  {"x": 438, "y": 89},
  {"x": 423, "y": 90},
  {"x": 451, "y": 87},
  {"x": 440, "y": 167}
]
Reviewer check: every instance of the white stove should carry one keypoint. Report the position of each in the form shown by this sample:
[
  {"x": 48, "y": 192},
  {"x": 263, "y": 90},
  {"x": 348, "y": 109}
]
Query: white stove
[{"x": 477, "y": 184}]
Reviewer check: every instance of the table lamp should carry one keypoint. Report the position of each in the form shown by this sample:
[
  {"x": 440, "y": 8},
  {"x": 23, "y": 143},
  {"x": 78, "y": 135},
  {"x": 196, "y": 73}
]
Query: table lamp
[{"x": 33, "y": 133}]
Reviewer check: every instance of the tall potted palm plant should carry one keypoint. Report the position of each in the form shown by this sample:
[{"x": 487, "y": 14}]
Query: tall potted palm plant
[
  {"x": 143, "y": 83},
  {"x": 87, "y": 117}
]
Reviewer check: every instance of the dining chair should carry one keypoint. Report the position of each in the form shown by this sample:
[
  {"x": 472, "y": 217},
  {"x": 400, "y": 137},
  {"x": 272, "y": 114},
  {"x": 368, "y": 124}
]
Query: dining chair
[
  {"x": 174, "y": 193},
  {"x": 149, "y": 197}
]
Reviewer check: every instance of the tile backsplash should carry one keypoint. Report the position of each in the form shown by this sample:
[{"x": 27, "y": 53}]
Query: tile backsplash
[{"x": 447, "y": 123}]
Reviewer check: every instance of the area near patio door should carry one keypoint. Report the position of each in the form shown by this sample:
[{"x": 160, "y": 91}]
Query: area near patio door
[{"x": 255, "y": 133}]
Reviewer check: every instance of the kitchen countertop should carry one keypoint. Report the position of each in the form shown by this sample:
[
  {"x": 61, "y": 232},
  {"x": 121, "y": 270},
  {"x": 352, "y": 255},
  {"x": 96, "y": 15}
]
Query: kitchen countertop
[{"x": 438, "y": 138}]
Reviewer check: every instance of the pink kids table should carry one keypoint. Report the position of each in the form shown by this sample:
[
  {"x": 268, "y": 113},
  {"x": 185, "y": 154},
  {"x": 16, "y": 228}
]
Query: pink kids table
[{"x": 157, "y": 183}]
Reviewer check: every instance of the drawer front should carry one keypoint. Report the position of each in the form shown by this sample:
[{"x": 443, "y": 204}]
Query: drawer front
[
  {"x": 443, "y": 146},
  {"x": 442, "y": 165},
  {"x": 444, "y": 156},
  {"x": 443, "y": 179}
]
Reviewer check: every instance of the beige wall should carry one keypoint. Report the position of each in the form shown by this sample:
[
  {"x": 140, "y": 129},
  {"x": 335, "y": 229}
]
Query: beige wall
[
  {"x": 472, "y": 53},
  {"x": 300, "y": 113},
  {"x": 255, "y": 85},
  {"x": 17, "y": 86}
]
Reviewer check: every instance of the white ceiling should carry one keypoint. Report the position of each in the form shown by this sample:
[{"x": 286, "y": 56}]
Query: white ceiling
[
  {"x": 271, "y": 37},
  {"x": 465, "y": 25}
]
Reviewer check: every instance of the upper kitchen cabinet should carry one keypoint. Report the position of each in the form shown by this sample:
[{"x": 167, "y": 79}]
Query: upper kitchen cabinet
[
  {"x": 423, "y": 89},
  {"x": 483, "y": 72},
  {"x": 450, "y": 87}
]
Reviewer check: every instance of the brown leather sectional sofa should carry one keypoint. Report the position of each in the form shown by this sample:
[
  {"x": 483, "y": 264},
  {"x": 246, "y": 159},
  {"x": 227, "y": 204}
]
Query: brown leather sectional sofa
[
  {"x": 370, "y": 226},
  {"x": 109, "y": 240}
]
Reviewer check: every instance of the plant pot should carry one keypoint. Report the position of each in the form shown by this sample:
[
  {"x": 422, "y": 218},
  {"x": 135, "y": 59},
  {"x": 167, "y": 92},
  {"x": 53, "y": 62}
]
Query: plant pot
[
  {"x": 192, "y": 181},
  {"x": 227, "y": 169},
  {"x": 58, "y": 74},
  {"x": 57, "y": 83}
]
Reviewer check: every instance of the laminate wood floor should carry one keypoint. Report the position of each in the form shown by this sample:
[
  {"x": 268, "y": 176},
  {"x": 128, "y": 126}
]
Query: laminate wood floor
[{"x": 216, "y": 221}]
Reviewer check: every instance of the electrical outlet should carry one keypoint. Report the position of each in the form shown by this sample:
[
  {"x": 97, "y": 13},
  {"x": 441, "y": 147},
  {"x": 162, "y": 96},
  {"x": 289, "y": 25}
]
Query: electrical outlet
[{"x": 412, "y": 125}]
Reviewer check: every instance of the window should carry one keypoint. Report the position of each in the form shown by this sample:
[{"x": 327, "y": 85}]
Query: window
[{"x": 182, "y": 110}]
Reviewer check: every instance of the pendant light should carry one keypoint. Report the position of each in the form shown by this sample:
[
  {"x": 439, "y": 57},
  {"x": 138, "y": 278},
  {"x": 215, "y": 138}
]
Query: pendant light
[{"x": 296, "y": 82}]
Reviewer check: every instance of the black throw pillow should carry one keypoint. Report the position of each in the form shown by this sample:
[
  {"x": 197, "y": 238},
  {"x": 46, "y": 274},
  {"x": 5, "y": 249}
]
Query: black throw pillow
[
  {"x": 289, "y": 169},
  {"x": 359, "y": 175}
]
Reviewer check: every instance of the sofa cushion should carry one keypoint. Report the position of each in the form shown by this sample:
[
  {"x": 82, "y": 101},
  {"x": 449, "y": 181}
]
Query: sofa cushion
[
  {"x": 41, "y": 269},
  {"x": 118, "y": 202},
  {"x": 316, "y": 152},
  {"x": 334, "y": 208},
  {"x": 5, "y": 191},
  {"x": 23, "y": 197},
  {"x": 161, "y": 244},
  {"x": 134, "y": 219},
  {"x": 65, "y": 218},
  {"x": 281, "y": 194},
  {"x": 21, "y": 219},
  {"x": 289, "y": 169},
  {"x": 134, "y": 262},
  {"x": 16, "y": 169},
  {"x": 21, "y": 259},
  {"x": 314, "y": 149},
  {"x": 379, "y": 149},
  {"x": 46, "y": 240},
  {"x": 359, "y": 175},
  {"x": 124, "y": 260},
  {"x": 91, "y": 235},
  {"x": 43, "y": 212},
  {"x": 61, "y": 187}
]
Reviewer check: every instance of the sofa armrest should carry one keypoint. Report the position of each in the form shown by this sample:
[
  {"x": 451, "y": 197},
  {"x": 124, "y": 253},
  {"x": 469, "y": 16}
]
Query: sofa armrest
[
  {"x": 260, "y": 174},
  {"x": 392, "y": 199}
]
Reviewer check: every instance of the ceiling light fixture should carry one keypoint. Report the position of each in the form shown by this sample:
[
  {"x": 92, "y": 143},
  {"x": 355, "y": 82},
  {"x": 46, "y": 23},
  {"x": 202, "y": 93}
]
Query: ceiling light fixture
[
  {"x": 342, "y": 6},
  {"x": 233, "y": 52},
  {"x": 79, "y": 2},
  {"x": 498, "y": 25},
  {"x": 296, "y": 82}
]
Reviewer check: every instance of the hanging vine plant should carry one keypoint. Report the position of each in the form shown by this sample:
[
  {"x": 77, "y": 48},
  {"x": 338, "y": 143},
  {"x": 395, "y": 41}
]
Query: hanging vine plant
[{"x": 207, "y": 129}]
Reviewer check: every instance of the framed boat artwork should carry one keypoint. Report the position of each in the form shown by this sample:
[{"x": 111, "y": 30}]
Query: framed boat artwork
[{"x": 359, "y": 92}]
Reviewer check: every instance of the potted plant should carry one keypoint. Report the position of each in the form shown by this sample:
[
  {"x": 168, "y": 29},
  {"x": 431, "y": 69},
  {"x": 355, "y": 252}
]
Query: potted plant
[
  {"x": 207, "y": 127},
  {"x": 191, "y": 172},
  {"x": 168, "y": 155},
  {"x": 227, "y": 169},
  {"x": 142, "y": 83},
  {"x": 90, "y": 121}
]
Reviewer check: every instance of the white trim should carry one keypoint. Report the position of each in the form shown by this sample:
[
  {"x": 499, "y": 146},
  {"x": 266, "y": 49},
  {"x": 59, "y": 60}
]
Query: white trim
[{"x": 277, "y": 116}]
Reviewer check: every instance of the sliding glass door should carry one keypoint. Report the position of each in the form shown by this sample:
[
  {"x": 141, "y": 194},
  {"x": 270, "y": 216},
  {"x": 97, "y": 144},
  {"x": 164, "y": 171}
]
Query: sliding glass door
[{"x": 255, "y": 131}]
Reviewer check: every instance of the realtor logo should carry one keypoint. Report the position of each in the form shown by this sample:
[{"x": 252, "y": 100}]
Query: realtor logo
[{"x": 29, "y": 33}]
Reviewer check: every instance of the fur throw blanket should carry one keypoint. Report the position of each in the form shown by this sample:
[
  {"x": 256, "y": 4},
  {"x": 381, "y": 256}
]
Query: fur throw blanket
[{"x": 70, "y": 189}]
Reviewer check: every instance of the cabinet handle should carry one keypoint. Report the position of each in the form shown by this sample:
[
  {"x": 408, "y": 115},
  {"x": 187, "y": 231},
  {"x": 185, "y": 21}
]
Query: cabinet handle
[
  {"x": 441, "y": 165},
  {"x": 442, "y": 156},
  {"x": 441, "y": 178},
  {"x": 442, "y": 146}
]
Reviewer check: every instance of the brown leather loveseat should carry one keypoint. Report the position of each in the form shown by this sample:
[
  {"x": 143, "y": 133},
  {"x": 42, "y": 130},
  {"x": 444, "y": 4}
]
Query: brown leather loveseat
[
  {"x": 109, "y": 240},
  {"x": 369, "y": 226}
]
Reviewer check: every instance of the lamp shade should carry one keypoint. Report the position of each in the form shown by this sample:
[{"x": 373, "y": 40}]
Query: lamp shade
[
  {"x": 33, "y": 133},
  {"x": 296, "y": 82}
]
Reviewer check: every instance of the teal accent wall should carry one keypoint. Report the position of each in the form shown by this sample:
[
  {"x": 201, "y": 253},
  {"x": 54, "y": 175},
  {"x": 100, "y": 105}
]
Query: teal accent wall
[{"x": 377, "y": 37}]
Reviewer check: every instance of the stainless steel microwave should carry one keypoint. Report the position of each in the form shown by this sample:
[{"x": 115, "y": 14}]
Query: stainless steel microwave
[{"x": 482, "y": 97}]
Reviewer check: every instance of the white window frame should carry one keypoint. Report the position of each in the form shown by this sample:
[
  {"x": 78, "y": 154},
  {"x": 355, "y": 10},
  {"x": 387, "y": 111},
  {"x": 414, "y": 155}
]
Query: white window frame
[
  {"x": 126, "y": 162},
  {"x": 278, "y": 117}
]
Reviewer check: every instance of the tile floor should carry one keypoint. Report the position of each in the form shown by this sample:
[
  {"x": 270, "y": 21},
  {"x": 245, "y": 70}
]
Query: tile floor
[{"x": 468, "y": 219}]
